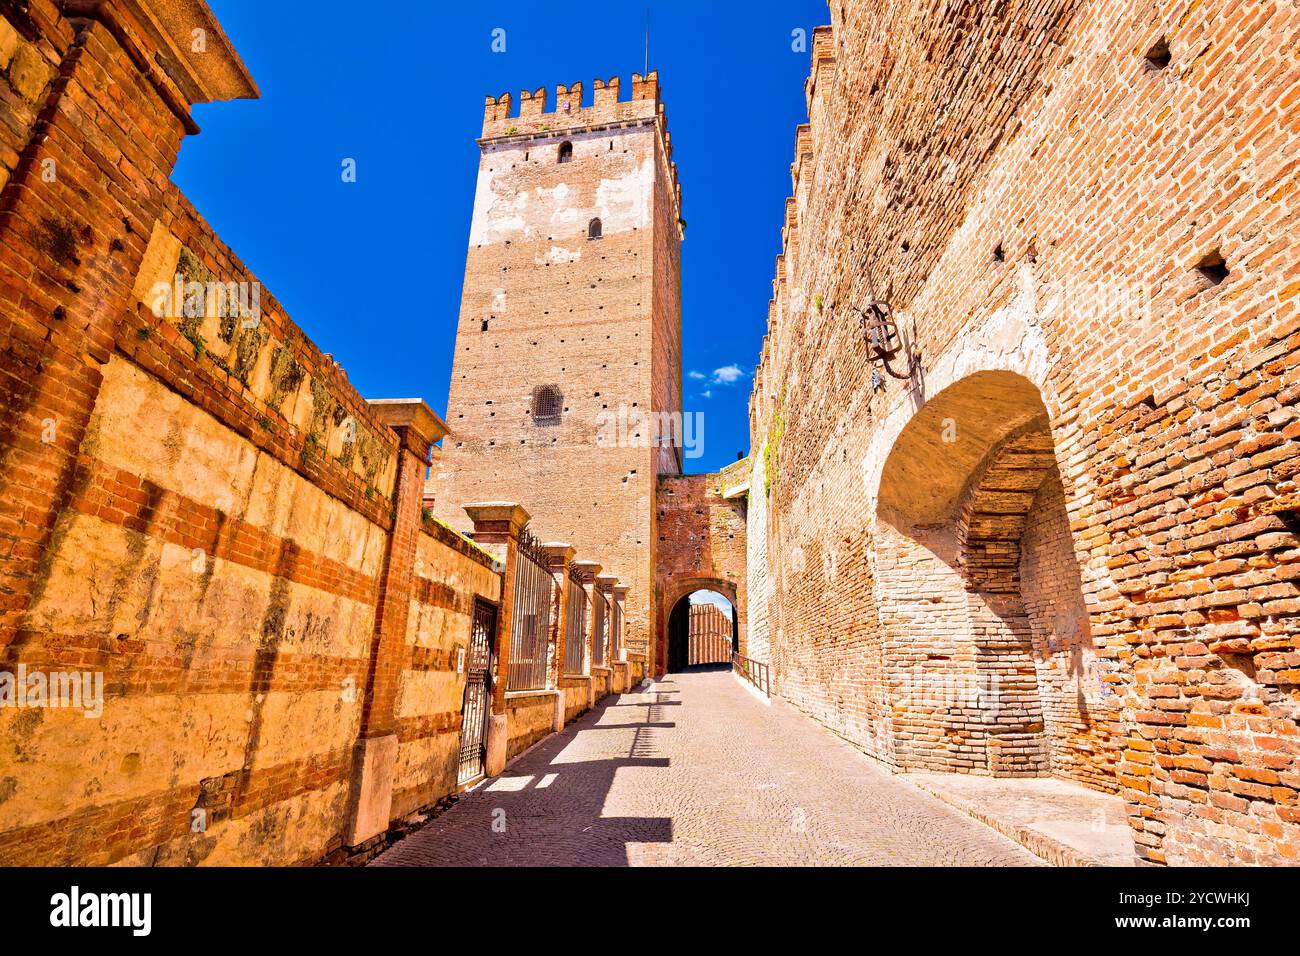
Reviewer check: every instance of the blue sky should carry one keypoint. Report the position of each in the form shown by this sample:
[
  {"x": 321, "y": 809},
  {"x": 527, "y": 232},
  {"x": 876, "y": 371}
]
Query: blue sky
[{"x": 372, "y": 270}]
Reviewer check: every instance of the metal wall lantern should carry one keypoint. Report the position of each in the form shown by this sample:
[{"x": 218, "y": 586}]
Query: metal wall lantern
[
  {"x": 880, "y": 332},
  {"x": 879, "y": 329}
]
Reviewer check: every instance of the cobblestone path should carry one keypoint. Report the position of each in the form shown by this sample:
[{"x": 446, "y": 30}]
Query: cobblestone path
[{"x": 696, "y": 771}]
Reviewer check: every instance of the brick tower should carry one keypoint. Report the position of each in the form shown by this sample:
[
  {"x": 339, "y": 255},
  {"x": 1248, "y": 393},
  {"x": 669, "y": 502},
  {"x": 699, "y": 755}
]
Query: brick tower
[{"x": 568, "y": 348}]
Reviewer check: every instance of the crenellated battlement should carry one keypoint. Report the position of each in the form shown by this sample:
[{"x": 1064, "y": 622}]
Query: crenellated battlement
[
  {"x": 823, "y": 59},
  {"x": 821, "y": 72},
  {"x": 532, "y": 118}
]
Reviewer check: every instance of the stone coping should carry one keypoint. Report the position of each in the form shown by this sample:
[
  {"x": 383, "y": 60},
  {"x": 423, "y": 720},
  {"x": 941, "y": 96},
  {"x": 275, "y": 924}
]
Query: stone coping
[{"x": 519, "y": 695}]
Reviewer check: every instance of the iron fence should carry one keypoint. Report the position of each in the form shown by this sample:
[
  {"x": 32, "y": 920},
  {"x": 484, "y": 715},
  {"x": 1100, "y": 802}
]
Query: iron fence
[
  {"x": 598, "y": 627},
  {"x": 575, "y": 631},
  {"x": 616, "y": 633},
  {"x": 532, "y": 617},
  {"x": 756, "y": 672}
]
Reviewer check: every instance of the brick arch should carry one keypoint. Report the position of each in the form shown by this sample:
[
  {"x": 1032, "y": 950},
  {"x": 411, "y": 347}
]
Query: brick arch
[
  {"x": 1009, "y": 344},
  {"x": 987, "y": 647},
  {"x": 677, "y": 590},
  {"x": 701, "y": 543},
  {"x": 674, "y": 589}
]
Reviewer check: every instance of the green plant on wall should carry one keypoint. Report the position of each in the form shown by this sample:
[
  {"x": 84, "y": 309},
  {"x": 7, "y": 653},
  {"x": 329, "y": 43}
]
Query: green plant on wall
[{"x": 772, "y": 447}]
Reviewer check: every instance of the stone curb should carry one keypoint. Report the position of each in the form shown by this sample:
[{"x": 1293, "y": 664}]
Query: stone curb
[{"x": 1039, "y": 844}]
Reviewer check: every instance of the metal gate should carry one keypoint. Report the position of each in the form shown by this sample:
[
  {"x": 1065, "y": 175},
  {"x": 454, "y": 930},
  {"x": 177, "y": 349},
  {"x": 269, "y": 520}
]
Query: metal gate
[
  {"x": 599, "y": 621},
  {"x": 616, "y": 633},
  {"x": 531, "y": 617},
  {"x": 575, "y": 634},
  {"x": 478, "y": 692}
]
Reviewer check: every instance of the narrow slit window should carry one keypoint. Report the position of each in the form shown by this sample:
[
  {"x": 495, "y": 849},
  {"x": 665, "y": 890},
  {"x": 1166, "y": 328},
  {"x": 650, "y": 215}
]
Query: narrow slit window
[
  {"x": 593, "y": 229},
  {"x": 566, "y": 152}
]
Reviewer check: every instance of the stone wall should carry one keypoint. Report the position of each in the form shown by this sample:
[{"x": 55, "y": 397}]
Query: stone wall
[
  {"x": 532, "y": 717},
  {"x": 1052, "y": 198}
]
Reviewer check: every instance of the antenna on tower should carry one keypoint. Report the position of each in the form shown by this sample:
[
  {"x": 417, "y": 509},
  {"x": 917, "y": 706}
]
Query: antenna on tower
[{"x": 646, "y": 71}]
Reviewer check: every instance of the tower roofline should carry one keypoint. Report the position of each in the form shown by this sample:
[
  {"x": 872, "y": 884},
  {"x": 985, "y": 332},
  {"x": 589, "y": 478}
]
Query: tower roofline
[
  {"x": 504, "y": 123},
  {"x": 530, "y": 113}
]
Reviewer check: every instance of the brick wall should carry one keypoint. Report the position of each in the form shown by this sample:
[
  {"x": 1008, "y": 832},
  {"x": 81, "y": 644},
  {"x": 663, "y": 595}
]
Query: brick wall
[
  {"x": 211, "y": 519},
  {"x": 709, "y": 635},
  {"x": 1047, "y": 203},
  {"x": 1081, "y": 713},
  {"x": 450, "y": 573}
]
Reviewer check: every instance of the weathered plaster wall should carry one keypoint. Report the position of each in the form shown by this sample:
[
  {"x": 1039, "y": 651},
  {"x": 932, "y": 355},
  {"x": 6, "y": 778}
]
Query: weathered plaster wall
[
  {"x": 450, "y": 575},
  {"x": 199, "y": 511}
]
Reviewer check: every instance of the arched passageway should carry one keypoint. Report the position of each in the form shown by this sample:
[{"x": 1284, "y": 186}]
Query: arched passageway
[
  {"x": 674, "y": 593},
  {"x": 702, "y": 631},
  {"x": 988, "y": 653}
]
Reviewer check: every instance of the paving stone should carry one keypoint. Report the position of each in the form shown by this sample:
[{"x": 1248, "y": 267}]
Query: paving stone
[{"x": 695, "y": 770}]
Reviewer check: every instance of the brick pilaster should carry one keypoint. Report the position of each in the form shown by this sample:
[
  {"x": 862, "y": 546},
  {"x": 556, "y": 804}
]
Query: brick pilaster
[
  {"x": 496, "y": 528},
  {"x": 375, "y": 755},
  {"x": 619, "y": 639},
  {"x": 605, "y": 584},
  {"x": 418, "y": 428}
]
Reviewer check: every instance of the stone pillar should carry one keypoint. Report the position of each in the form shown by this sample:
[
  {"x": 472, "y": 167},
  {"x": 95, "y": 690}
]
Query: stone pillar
[
  {"x": 89, "y": 181},
  {"x": 558, "y": 556},
  {"x": 375, "y": 755},
  {"x": 586, "y": 572},
  {"x": 496, "y": 528}
]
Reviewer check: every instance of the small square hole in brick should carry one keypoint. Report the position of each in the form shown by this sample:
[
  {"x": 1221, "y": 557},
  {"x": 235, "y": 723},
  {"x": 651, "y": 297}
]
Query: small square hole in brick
[
  {"x": 1243, "y": 664},
  {"x": 1158, "y": 56},
  {"x": 1213, "y": 268}
]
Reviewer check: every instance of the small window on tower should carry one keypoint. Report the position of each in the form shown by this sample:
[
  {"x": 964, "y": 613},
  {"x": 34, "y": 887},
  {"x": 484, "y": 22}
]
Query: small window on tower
[
  {"x": 566, "y": 152},
  {"x": 593, "y": 229},
  {"x": 548, "y": 402}
]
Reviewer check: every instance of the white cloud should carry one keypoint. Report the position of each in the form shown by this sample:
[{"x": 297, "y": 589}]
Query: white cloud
[
  {"x": 695, "y": 375},
  {"x": 727, "y": 375}
]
